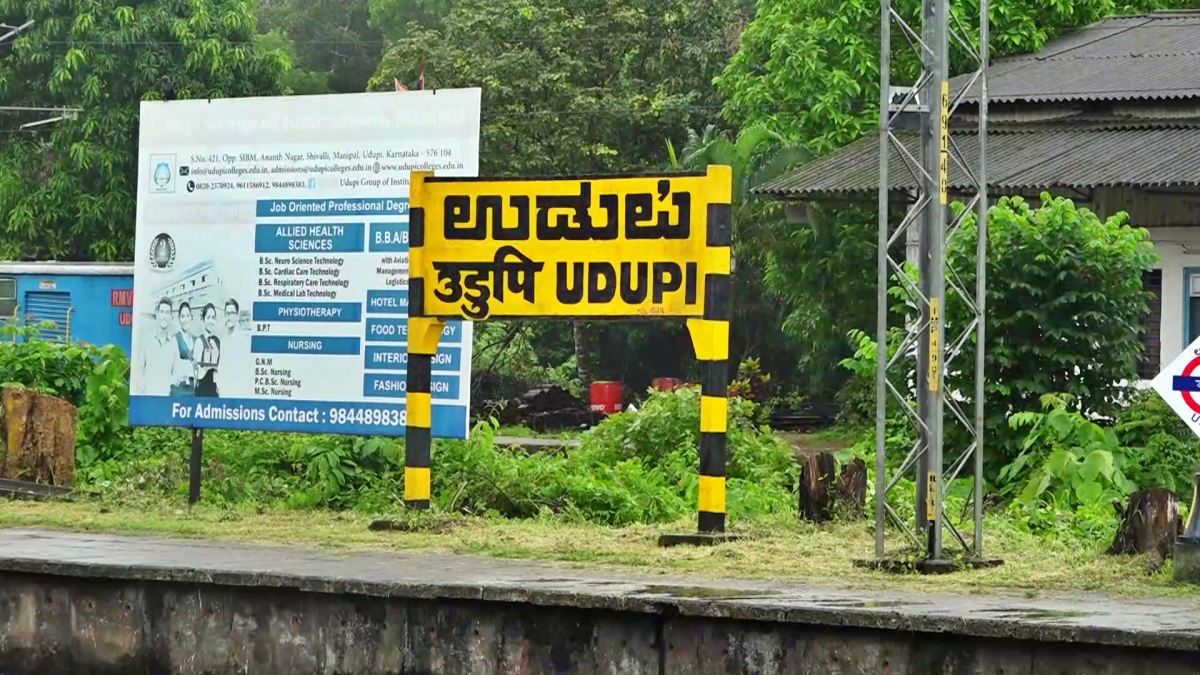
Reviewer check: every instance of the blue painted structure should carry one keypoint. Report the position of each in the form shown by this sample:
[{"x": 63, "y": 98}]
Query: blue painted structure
[{"x": 78, "y": 297}]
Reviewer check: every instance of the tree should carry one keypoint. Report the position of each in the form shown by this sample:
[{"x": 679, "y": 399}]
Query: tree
[
  {"x": 297, "y": 80},
  {"x": 330, "y": 39},
  {"x": 575, "y": 87},
  {"x": 755, "y": 155},
  {"x": 578, "y": 87},
  {"x": 392, "y": 17},
  {"x": 1064, "y": 309},
  {"x": 808, "y": 70},
  {"x": 68, "y": 191}
]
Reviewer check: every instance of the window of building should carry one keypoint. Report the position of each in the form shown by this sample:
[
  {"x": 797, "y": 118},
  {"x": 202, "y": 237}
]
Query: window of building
[
  {"x": 8, "y": 298},
  {"x": 1191, "y": 310},
  {"x": 1152, "y": 326}
]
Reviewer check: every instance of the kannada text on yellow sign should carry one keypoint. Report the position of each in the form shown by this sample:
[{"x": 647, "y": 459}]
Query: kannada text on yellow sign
[{"x": 577, "y": 247}]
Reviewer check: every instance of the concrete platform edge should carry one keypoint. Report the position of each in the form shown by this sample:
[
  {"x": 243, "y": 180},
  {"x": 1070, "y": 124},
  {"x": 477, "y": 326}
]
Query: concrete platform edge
[{"x": 648, "y": 603}]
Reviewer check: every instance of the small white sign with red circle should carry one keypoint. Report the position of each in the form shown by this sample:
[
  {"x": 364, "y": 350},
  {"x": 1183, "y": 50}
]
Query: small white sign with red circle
[{"x": 1179, "y": 385}]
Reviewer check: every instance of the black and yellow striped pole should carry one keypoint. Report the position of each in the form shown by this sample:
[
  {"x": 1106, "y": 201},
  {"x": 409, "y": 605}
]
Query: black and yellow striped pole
[
  {"x": 423, "y": 336},
  {"x": 710, "y": 337},
  {"x": 714, "y": 409}
]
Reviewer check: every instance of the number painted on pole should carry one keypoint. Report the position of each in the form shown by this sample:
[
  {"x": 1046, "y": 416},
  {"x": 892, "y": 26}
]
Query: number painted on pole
[
  {"x": 931, "y": 497},
  {"x": 934, "y": 378},
  {"x": 944, "y": 167}
]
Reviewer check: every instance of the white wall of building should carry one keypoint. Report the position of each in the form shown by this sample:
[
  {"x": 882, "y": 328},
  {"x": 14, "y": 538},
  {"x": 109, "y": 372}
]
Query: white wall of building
[{"x": 1178, "y": 248}]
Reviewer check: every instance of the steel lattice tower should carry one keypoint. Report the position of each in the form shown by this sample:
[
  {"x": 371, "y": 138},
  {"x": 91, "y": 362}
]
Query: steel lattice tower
[{"x": 927, "y": 105}]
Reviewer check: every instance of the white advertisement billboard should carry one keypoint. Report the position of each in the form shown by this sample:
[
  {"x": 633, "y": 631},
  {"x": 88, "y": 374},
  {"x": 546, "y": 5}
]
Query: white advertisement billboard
[{"x": 271, "y": 261}]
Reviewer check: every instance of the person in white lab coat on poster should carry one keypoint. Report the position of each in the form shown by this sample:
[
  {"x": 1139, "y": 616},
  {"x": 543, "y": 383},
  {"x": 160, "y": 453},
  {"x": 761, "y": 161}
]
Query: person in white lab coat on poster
[{"x": 235, "y": 349}]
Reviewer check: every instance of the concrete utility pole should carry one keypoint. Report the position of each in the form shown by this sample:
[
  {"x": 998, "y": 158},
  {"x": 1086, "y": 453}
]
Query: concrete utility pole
[{"x": 925, "y": 107}]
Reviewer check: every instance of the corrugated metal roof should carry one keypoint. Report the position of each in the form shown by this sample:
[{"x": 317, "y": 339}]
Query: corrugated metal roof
[
  {"x": 1156, "y": 56},
  {"x": 1043, "y": 158}
]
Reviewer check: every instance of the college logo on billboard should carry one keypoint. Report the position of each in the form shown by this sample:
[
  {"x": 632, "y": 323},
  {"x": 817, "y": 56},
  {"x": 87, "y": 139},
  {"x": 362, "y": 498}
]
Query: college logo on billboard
[
  {"x": 162, "y": 253},
  {"x": 162, "y": 174}
]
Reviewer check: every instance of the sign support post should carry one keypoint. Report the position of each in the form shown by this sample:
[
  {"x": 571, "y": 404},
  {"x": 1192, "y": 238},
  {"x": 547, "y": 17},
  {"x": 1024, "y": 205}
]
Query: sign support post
[
  {"x": 710, "y": 337},
  {"x": 423, "y": 337}
]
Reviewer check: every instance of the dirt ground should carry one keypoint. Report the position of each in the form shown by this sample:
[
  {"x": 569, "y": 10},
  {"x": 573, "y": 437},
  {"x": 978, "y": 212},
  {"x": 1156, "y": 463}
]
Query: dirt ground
[{"x": 808, "y": 444}]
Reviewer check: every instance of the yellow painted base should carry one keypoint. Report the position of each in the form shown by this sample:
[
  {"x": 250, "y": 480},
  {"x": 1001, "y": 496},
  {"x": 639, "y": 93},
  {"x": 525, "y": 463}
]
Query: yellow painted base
[
  {"x": 416, "y": 483},
  {"x": 712, "y": 494}
]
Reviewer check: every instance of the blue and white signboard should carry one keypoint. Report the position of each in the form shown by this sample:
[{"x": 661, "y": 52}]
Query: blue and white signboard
[
  {"x": 1179, "y": 385},
  {"x": 271, "y": 268}
]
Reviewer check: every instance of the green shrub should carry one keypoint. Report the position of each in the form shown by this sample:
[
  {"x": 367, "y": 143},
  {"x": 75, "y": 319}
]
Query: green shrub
[
  {"x": 856, "y": 399},
  {"x": 246, "y": 468},
  {"x": 1064, "y": 304},
  {"x": 1066, "y": 460},
  {"x": 635, "y": 467},
  {"x": 95, "y": 380},
  {"x": 103, "y": 427},
  {"x": 1089, "y": 522},
  {"x": 752, "y": 384},
  {"x": 1064, "y": 301},
  {"x": 55, "y": 368},
  {"x": 1162, "y": 450}
]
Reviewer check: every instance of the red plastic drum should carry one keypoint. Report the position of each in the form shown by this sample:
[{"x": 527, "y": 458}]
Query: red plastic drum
[{"x": 606, "y": 398}]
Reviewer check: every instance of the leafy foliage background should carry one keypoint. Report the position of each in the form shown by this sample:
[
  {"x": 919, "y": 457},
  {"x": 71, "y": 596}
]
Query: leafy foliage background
[{"x": 69, "y": 193}]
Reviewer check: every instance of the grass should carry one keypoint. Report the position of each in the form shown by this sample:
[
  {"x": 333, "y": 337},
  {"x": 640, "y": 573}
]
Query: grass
[{"x": 778, "y": 549}]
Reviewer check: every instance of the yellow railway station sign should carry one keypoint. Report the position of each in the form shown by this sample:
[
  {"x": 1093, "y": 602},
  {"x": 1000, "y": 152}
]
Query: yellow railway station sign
[
  {"x": 621, "y": 247},
  {"x": 571, "y": 248}
]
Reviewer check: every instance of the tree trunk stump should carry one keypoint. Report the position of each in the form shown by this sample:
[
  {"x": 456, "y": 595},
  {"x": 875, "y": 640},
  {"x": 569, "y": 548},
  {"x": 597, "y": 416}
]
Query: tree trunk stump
[
  {"x": 824, "y": 494},
  {"x": 818, "y": 488},
  {"x": 852, "y": 489},
  {"x": 37, "y": 437},
  {"x": 1149, "y": 524}
]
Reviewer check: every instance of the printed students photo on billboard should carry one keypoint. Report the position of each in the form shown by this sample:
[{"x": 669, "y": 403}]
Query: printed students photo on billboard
[{"x": 206, "y": 354}]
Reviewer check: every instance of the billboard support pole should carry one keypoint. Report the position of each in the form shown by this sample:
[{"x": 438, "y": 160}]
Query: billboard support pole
[{"x": 197, "y": 456}]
